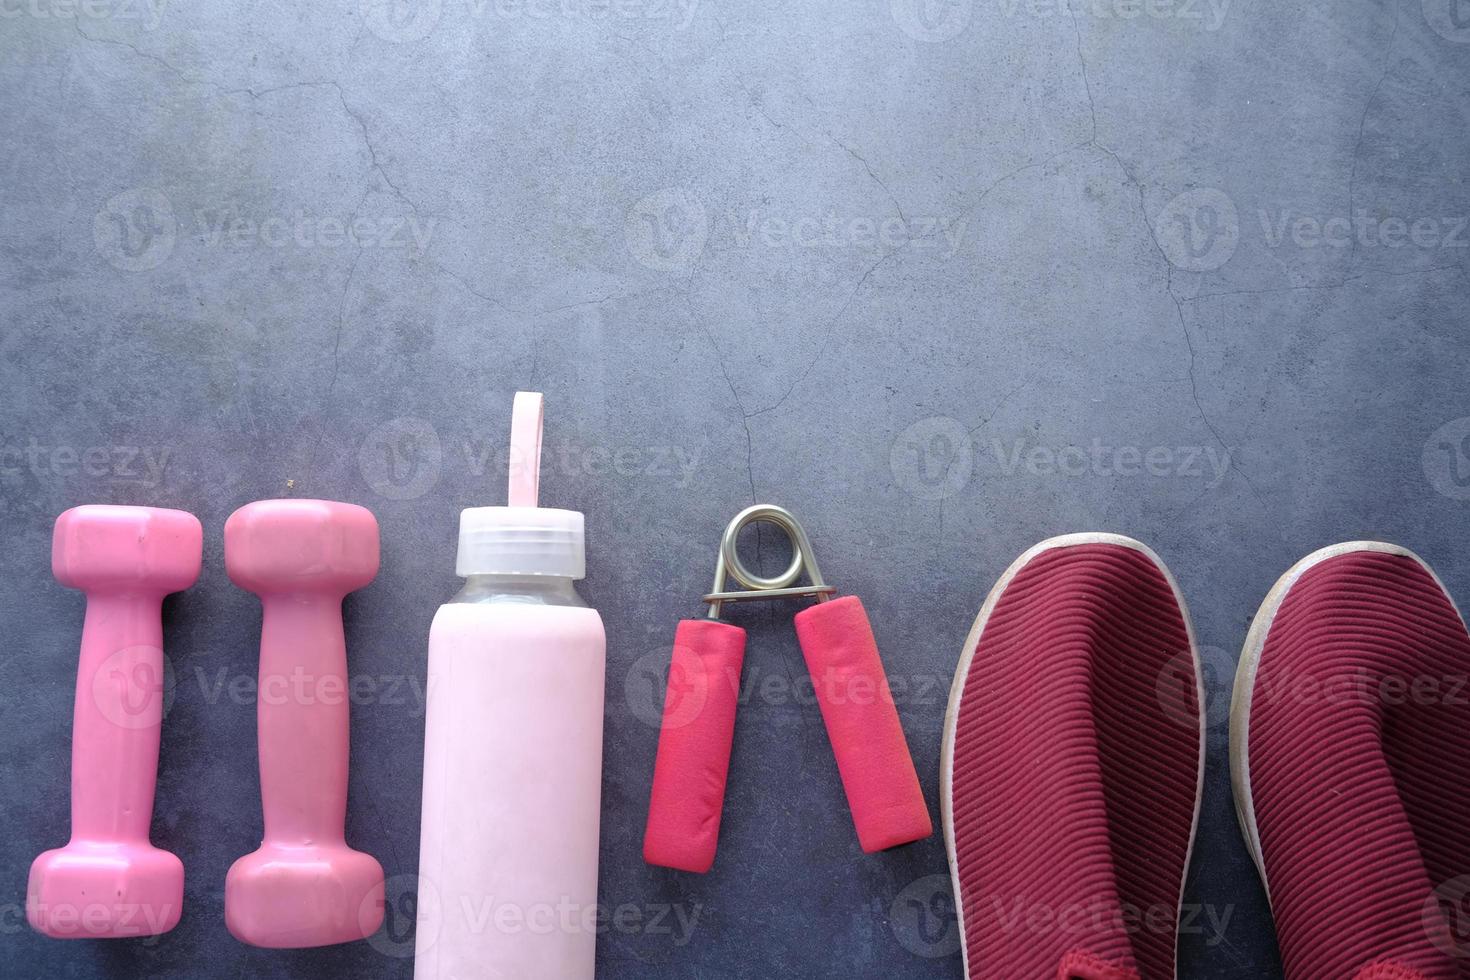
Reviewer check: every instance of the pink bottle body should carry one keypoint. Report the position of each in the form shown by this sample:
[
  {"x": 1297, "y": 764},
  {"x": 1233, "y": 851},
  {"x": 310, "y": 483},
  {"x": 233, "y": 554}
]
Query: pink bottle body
[{"x": 512, "y": 788}]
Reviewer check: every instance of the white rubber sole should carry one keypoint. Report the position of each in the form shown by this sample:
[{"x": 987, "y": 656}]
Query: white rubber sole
[
  {"x": 956, "y": 693},
  {"x": 1250, "y": 665}
]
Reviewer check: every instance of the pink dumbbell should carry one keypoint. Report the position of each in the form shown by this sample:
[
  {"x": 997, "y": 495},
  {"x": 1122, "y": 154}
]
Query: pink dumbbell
[
  {"x": 304, "y": 886},
  {"x": 109, "y": 881}
]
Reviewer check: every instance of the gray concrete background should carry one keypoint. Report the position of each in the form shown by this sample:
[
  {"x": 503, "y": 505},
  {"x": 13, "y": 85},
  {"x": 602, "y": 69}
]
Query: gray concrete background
[{"x": 943, "y": 276}]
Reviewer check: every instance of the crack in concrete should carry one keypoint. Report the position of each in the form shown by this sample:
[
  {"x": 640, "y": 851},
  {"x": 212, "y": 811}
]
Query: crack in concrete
[
  {"x": 532, "y": 312},
  {"x": 256, "y": 95},
  {"x": 998, "y": 406},
  {"x": 336, "y": 349},
  {"x": 807, "y": 138},
  {"x": 1339, "y": 284},
  {"x": 876, "y": 179},
  {"x": 1129, "y": 178},
  {"x": 739, "y": 405},
  {"x": 1362, "y": 126}
]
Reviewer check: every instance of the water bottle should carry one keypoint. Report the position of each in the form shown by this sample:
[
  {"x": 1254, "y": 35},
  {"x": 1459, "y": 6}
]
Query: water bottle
[{"x": 513, "y": 746}]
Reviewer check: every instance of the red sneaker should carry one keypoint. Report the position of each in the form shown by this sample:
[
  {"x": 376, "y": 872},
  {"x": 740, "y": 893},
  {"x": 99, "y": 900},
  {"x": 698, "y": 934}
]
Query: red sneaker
[
  {"x": 1350, "y": 755},
  {"x": 1072, "y": 766}
]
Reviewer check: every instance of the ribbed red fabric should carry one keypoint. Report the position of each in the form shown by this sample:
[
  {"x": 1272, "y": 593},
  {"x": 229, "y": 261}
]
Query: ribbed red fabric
[
  {"x": 1389, "y": 971},
  {"x": 1084, "y": 966},
  {"x": 1076, "y": 767},
  {"x": 1359, "y": 754}
]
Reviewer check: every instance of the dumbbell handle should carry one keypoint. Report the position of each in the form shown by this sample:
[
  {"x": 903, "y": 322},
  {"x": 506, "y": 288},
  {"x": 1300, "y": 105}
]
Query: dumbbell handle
[
  {"x": 117, "y": 718},
  {"x": 302, "y": 714}
]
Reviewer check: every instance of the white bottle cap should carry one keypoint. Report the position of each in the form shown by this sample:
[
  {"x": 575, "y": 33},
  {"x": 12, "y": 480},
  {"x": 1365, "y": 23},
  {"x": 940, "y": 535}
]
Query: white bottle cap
[{"x": 522, "y": 539}]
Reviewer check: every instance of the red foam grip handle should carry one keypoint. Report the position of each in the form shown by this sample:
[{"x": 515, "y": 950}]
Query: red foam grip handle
[
  {"x": 873, "y": 758},
  {"x": 694, "y": 745}
]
